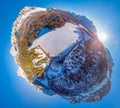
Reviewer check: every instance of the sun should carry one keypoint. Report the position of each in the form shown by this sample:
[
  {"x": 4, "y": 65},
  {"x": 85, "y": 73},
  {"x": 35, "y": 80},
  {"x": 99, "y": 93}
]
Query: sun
[{"x": 102, "y": 36}]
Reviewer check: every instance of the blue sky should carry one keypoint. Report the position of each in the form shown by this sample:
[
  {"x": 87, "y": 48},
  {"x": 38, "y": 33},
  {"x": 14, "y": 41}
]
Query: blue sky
[{"x": 15, "y": 92}]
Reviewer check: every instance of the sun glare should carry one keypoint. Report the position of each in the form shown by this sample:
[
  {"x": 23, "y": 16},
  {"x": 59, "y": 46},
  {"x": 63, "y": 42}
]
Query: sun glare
[{"x": 102, "y": 36}]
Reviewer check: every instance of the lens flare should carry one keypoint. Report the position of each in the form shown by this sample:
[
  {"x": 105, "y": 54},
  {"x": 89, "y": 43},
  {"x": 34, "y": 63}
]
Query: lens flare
[{"x": 102, "y": 36}]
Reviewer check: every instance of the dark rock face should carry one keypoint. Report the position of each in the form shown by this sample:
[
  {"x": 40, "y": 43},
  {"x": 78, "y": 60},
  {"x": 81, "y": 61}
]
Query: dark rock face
[{"x": 80, "y": 73}]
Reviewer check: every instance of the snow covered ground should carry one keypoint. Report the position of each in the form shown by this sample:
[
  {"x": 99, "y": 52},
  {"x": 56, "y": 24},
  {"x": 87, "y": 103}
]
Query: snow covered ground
[{"x": 58, "y": 40}]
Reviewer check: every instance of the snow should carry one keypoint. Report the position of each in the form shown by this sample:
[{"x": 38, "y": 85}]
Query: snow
[
  {"x": 110, "y": 62},
  {"x": 41, "y": 55},
  {"x": 34, "y": 61},
  {"x": 84, "y": 29},
  {"x": 95, "y": 88},
  {"x": 86, "y": 36},
  {"x": 58, "y": 40},
  {"x": 85, "y": 22},
  {"x": 21, "y": 73}
]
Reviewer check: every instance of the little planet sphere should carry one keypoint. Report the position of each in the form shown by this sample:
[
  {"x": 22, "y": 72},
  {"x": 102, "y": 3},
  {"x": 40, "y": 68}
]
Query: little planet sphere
[{"x": 60, "y": 53}]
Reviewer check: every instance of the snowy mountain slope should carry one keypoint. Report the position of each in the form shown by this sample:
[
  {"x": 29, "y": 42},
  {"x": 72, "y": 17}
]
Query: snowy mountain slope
[
  {"x": 59, "y": 52},
  {"x": 63, "y": 38}
]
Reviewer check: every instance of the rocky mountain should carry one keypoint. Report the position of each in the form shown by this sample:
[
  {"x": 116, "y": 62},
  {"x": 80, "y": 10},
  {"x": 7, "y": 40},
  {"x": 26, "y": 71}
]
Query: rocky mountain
[{"x": 59, "y": 52}]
